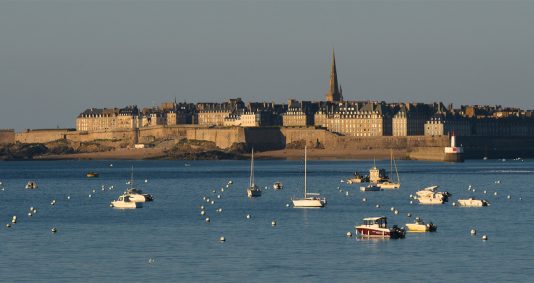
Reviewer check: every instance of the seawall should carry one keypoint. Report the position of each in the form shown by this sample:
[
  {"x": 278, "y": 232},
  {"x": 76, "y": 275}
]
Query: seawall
[{"x": 276, "y": 138}]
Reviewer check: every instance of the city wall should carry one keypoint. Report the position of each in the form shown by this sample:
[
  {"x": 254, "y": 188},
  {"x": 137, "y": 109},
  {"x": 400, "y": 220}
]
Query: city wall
[
  {"x": 7, "y": 136},
  {"x": 273, "y": 138}
]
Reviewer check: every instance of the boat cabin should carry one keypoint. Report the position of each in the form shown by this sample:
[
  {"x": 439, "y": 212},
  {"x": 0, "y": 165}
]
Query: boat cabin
[{"x": 380, "y": 222}]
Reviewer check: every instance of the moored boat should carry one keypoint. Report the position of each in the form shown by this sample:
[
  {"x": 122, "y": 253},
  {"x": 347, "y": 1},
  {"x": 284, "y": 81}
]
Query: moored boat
[
  {"x": 91, "y": 174},
  {"x": 310, "y": 199},
  {"x": 124, "y": 201},
  {"x": 138, "y": 195},
  {"x": 472, "y": 202},
  {"x": 389, "y": 184},
  {"x": 357, "y": 178},
  {"x": 377, "y": 227},
  {"x": 432, "y": 195},
  {"x": 252, "y": 190},
  {"x": 31, "y": 185},
  {"x": 420, "y": 226},
  {"x": 370, "y": 188}
]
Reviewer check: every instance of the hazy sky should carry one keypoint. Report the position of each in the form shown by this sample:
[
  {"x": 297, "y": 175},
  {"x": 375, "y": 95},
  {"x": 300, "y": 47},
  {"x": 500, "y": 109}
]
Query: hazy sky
[{"x": 59, "y": 57}]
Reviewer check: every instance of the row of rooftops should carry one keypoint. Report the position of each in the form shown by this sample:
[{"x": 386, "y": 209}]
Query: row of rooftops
[{"x": 236, "y": 106}]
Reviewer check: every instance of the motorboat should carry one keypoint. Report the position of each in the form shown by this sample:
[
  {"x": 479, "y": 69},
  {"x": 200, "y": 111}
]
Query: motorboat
[
  {"x": 432, "y": 199},
  {"x": 31, "y": 185},
  {"x": 124, "y": 201},
  {"x": 91, "y": 174},
  {"x": 370, "y": 188},
  {"x": 432, "y": 192},
  {"x": 472, "y": 202},
  {"x": 138, "y": 195},
  {"x": 310, "y": 199},
  {"x": 377, "y": 227},
  {"x": 252, "y": 190},
  {"x": 357, "y": 178},
  {"x": 389, "y": 184},
  {"x": 377, "y": 175},
  {"x": 277, "y": 186},
  {"x": 420, "y": 226}
]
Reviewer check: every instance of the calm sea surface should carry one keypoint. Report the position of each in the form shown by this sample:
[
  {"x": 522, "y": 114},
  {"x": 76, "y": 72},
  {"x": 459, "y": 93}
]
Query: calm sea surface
[{"x": 168, "y": 240}]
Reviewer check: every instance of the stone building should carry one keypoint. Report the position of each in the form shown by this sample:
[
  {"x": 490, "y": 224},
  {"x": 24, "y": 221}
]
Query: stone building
[
  {"x": 441, "y": 125},
  {"x": 410, "y": 119},
  {"x": 371, "y": 120},
  {"x": 94, "y": 119},
  {"x": 299, "y": 114},
  {"x": 213, "y": 114}
]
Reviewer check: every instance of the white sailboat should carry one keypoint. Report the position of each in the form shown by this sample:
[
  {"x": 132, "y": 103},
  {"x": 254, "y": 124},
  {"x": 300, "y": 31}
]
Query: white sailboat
[
  {"x": 252, "y": 190},
  {"x": 310, "y": 199},
  {"x": 388, "y": 184}
]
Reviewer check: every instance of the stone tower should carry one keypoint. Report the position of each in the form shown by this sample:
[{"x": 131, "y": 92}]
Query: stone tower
[{"x": 334, "y": 92}]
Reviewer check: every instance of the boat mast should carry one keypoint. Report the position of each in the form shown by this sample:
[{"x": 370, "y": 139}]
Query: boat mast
[
  {"x": 251, "y": 169},
  {"x": 131, "y": 179},
  {"x": 396, "y": 172},
  {"x": 305, "y": 170}
]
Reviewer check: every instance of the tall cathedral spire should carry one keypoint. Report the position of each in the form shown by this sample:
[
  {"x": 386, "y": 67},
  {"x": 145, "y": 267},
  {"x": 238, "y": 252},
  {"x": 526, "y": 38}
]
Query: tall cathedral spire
[{"x": 334, "y": 92}]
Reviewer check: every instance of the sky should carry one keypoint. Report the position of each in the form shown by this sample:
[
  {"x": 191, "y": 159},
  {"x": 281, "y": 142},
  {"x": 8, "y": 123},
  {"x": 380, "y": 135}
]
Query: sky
[{"x": 58, "y": 58}]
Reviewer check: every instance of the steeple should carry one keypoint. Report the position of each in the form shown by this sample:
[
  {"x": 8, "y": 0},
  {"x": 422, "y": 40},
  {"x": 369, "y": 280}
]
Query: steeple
[{"x": 334, "y": 92}]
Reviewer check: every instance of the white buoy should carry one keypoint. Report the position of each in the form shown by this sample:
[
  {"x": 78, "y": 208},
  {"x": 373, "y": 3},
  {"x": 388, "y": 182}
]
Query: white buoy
[
  {"x": 151, "y": 260},
  {"x": 453, "y": 204},
  {"x": 364, "y": 199},
  {"x": 392, "y": 208},
  {"x": 30, "y": 214},
  {"x": 347, "y": 193},
  {"x": 207, "y": 199},
  {"x": 396, "y": 211},
  {"x": 53, "y": 202},
  {"x": 349, "y": 234},
  {"x": 212, "y": 202},
  {"x": 90, "y": 195},
  {"x": 203, "y": 198},
  {"x": 8, "y": 225},
  {"x": 34, "y": 211},
  {"x": 287, "y": 204},
  {"x": 484, "y": 192},
  {"x": 495, "y": 193},
  {"x": 473, "y": 232},
  {"x": 473, "y": 190},
  {"x": 248, "y": 216},
  {"x": 222, "y": 190},
  {"x": 94, "y": 191},
  {"x": 378, "y": 205},
  {"x": 202, "y": 212},
  {"x": 201, "y": 207},
  {"x": 484, "y": 237},
  {"x": 110, "y": 165},
  {"x": 31, "y": 208},
  {"x": 213, "y": 191},
  {"x": 207, "y": 220},
  {"x": 509, "y": 197},
  {"x": 273, "y": 223},
  {"x": 520, "y": 198},
  {"x": 411, "y": 202},
  {"x": 219, "y": 196},
  {"x": 266, "y": 187},
  {"x": 411, "y": 196},
  {"x": 54, "y": 230},
  {"x": 14, "y": 219},
  {"x": 103, "y": 189},
  {"x": 409, "y": 215},
  {"x": 146, "y": 180},
  {"x": 222, "y": 239}
]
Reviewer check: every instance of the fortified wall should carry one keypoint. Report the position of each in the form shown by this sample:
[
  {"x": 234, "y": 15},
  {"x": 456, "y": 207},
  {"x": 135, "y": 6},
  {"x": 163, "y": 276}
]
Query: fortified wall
[
  {"x": 7, "y": 136},
  {"x": 274, "y": 138}
]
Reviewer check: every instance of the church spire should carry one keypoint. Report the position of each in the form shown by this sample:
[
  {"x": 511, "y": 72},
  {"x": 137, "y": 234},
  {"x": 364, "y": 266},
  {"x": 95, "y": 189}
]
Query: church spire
[{"x": 334, "y": 93}]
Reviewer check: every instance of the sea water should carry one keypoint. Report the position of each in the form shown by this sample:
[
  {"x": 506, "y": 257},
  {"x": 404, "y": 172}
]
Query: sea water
[{"x": 168, "y": 240}]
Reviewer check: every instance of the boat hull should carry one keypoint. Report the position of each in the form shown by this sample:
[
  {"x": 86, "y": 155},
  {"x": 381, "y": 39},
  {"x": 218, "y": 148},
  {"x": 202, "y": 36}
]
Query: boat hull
[
  {"x": 379, "y": 232},
  {"x": 430, "y": 200},
  {"x": 126, "y": 205},
  {"x": 370, "y": 189},
  {"x": 472, "y": 202},
  {"x": 414, "y": 227},
  {"x": 253, "y": 193},
  {"x": 308, "y": 203},
  {"x": 389, "y": 185}
]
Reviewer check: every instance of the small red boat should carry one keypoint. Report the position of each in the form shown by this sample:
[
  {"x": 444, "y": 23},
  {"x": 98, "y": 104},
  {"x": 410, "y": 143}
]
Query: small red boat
[{"x": 378, "y": 227}]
